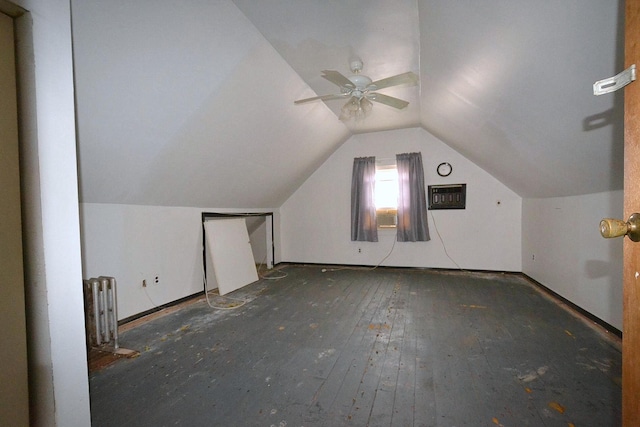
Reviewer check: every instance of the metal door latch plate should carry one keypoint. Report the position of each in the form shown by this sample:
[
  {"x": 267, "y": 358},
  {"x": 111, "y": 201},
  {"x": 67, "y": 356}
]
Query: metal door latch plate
[{"x": 616, "y": 82}]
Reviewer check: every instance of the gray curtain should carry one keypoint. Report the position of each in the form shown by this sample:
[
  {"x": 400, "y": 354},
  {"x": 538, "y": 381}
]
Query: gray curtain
[
  {"x": 364, "y": 225},
  {"x": 412, "y": 202}
]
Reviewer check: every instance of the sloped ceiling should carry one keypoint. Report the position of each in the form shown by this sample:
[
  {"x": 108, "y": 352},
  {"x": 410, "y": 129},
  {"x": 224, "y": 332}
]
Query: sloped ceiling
[{"x": 191, "y": 103}]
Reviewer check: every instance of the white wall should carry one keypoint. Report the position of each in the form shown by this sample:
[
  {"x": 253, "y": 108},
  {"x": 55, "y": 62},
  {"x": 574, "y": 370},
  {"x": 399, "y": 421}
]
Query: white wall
[
  {"x": 58, "y": 380},
  {"x": 563, "y": 250},
  {"x": 134, "y": 243},
  {"x": 257, "y": 227},
  {"x": 486, "y": 235}
]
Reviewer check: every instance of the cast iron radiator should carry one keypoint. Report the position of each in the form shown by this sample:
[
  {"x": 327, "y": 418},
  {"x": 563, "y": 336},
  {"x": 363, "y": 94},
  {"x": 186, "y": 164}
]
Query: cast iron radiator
[{"x": 101, "y": 313}]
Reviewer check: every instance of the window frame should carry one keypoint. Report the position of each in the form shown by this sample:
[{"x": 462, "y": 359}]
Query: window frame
[{"x": 386, "y": 212}]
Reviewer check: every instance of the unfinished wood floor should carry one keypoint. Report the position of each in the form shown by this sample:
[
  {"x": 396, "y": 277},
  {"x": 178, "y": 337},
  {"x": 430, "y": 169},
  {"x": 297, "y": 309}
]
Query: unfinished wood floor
[{"x": 388, "y": 347}]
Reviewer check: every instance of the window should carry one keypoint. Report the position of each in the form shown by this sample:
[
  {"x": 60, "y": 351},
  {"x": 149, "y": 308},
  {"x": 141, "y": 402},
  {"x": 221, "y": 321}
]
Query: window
[
  {"x": 386, "y": 196},
  {"x": 389, "y": 194}
]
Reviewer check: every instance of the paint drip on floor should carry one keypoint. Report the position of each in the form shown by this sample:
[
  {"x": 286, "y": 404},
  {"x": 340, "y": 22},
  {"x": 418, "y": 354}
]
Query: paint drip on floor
[{"x": 532, "y": 376}]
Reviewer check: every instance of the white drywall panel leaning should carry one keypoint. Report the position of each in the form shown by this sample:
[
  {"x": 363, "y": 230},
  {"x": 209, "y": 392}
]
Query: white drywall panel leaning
[{"x": 230, "y": 252}]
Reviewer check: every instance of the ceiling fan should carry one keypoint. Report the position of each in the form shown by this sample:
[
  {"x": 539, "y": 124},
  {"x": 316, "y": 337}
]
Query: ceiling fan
[{"x": 361, "y": 90}]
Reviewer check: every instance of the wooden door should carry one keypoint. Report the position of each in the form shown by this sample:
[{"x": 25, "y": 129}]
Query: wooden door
[
  {"x": 14, "y": 399},
  {"x": 631, "y": 276}
]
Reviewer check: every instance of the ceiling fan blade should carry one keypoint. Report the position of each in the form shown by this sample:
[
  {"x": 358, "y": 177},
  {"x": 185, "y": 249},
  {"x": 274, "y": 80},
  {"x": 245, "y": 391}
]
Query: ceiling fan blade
[
  {"x": 404, "y": 78},
  {"x": 337, "y": 78},
  {"x": 323, "y": 98},
  {"x": 387, "y": 100}
]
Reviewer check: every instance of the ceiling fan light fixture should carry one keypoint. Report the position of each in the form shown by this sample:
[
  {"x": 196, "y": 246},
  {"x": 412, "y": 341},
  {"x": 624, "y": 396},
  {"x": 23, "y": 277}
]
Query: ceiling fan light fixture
[
  {"x": 356, "y": 108},
  {"x": 351, "y": 106},
  {"x": 366, "y": 105}
]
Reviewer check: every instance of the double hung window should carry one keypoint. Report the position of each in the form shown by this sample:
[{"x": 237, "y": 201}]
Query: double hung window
[
  {"x": 386, "y": 195},
  {"x": 389, "y": 195}
]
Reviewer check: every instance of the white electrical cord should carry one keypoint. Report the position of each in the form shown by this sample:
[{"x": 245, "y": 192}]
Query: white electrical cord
[
  {"x": 264, "y": 260},
  {"x": 395, "y": 239},
  {"x": 442, "y": 241},
  {"x": 241, "y": 301},
  {"x": 144, "y": 287},
  {"x": 206, "y": 295}
]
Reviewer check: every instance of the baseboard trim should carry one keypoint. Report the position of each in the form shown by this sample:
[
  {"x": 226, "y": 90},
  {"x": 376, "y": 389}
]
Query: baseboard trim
[
  {"x": 166, "y": 306},
  {"x": 595, "y": 319},
  {"x": 469, "y": 270}
]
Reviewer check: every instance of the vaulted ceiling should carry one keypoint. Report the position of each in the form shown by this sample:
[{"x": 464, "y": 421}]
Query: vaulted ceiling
[{"x": 191, "y": 103}]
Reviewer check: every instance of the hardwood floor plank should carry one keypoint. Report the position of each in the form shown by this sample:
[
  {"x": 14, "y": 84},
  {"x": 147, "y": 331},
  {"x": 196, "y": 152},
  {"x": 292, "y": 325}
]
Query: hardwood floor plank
[{"x": 355, "y": 347}]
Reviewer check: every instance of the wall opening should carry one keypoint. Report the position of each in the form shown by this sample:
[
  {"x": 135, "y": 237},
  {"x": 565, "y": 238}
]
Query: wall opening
[{"x": 260, "y": 229}]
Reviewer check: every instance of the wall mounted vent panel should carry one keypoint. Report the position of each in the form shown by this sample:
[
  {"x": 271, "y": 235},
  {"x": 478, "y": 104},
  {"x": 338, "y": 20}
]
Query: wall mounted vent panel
[{"x": 452, "y": 196}]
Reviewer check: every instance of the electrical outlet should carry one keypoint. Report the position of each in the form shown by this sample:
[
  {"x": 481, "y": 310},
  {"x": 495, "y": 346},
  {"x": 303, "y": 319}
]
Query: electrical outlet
[
  {"x": 157, "y": 280},
  {"x": 359, "y": 250}
]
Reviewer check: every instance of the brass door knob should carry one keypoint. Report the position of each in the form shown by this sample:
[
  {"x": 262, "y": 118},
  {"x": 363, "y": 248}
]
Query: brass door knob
[{"x": 610, "y": 228}]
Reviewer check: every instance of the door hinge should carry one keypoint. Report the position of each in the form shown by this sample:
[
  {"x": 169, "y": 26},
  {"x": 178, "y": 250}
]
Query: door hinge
[{"x": 616, "y": 82}]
